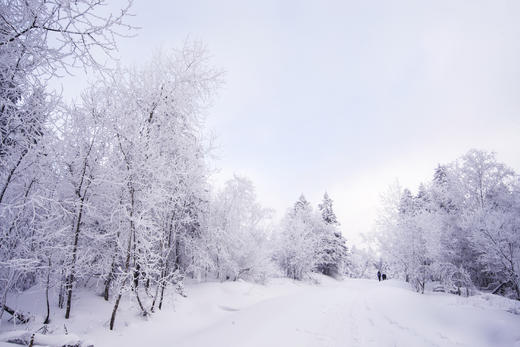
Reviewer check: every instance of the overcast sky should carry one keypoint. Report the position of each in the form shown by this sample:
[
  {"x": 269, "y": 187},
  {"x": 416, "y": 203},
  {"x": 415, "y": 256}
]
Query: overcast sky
[{"x": 347, "y": 96}]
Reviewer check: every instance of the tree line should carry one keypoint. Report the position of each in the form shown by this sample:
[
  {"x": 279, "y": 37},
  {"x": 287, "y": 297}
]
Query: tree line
[
  {"x": 112, "y": 192},
  {"x": 460, "y": 229}
]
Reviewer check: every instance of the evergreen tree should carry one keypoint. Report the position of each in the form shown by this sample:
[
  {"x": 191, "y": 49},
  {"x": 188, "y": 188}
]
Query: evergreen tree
[
  {"x": 302, "y": 205},
  {"x": 327, "y": 212},
  {"x": 440, "y": 190},
  {"x": 332, "y": 253},
  {"x": 406, "y": 204},
  {"x": 440, "y": 176}
]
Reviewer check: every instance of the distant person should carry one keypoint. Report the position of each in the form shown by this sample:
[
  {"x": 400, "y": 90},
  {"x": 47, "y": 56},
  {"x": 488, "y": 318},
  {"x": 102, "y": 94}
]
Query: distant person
[
  {"x": 379, "y": 276},
  {"x": 384, "y": 277}
]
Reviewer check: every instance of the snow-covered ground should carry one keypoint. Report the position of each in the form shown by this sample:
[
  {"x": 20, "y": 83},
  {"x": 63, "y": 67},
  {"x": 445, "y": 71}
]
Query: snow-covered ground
[{"x": 288, "y": 313}]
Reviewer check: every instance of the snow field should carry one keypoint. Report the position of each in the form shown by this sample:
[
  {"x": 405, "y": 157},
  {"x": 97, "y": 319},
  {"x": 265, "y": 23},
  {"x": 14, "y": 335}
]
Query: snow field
[{"x": 290, "y": 313}]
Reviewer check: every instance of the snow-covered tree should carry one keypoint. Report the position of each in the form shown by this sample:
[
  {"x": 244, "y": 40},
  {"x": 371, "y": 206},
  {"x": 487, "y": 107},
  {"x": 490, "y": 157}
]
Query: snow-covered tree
[
  {"x": 332, "y": 253},
  {"x": 39, "y": 40},
  {"x": 467, "y": 218},
  {"x": 363, "y": 263},
  {"x": 306, "y": 242},
  {"x": 296, "y": 245},
  {"x": 238, "y": 231},
  {"x": 327, "y": 213},
  {"x": 155, "y": 117}
]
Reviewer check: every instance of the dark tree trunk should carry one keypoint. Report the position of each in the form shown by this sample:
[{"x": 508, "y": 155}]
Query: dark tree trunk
[
  {"x": 116, "y": 305},
  {"x": 47, "y": 318},
  {"x": 127, "y": 261},
  {"x": 110, "y": 277},
  {"x": 152, "y": 308},
  {"x": 61, "y": 295},
  {"x": 141, "y": 306},
  {"x": 11, "y": 173},
  {"x": 70, "y": 278},
  {"x": 108, "y": 281},
  {"x": 136, "y": 273},
  {"x": 106, "y": 292},
  {"x": 162, "y": 295}
]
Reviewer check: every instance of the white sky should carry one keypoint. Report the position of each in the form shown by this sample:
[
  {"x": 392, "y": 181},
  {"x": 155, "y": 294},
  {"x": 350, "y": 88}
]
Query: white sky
[{"x": 347, "y": 96}]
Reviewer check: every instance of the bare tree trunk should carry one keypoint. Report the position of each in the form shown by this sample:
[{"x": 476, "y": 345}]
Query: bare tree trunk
[
  {"x": 127, "y": 262},
  {"x": 163, "y": 286},
  {"x": 110, "y": 277},
  {"x": 47, "y": 319},
  {"x": 61, "y": 295},
  {"x": 70, "y": 278},
  {"x": 116, "y": 305},
  {"x": 11, "y": 173},
  {"x": 137, "y": 273},
  {"x": 152, "y": 308},
  {"x": 108, "y": 281},
  {"x": 164, "y": 262},
  {"x": 141, "y": 306}
]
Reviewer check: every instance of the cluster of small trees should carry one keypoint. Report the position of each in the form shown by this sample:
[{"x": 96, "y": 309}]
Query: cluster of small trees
[
  {"x": 311, "y": 241},
  {"x": 461, "y": 229}
]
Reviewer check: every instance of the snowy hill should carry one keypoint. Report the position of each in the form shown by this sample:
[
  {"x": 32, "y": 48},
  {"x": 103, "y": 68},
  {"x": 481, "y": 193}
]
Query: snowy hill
[{"x": 290, "y": 313}]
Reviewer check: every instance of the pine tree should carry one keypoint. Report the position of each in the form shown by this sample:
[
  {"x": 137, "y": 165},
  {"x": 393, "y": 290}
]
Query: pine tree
[
  {"x": 406, "y": 205},
  {"x": 332, "y": 253},
  {"x": 440, "y": 175},
  {"x": 441, "y": 190},
  {"x": 327, "y": 212},
  {"x": 302, "y": 205},
  {"x": 422, "y": 199}
]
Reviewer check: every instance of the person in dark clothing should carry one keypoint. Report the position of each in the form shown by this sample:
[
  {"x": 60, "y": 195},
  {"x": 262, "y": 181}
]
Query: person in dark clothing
[
  {"x": 379, "y": 275},
  {"x": 384, "y": 277}
]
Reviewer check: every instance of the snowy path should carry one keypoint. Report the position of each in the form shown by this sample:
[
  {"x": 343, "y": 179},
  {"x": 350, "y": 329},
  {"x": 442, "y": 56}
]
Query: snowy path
[{"x": 349, "y": 313}]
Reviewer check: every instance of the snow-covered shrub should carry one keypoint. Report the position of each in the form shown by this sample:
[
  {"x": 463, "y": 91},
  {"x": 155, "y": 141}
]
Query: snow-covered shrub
[
  {"x": 452, "y": 279},
  {"x": 361, "y": 264},
  {"x": 420, "y": 276}
]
